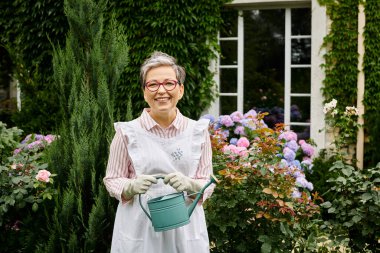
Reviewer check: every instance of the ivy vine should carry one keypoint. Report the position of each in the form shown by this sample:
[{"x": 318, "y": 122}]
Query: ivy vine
[
  {"x": 185, "y": 29},
  {"x": 341, "y": 62}
]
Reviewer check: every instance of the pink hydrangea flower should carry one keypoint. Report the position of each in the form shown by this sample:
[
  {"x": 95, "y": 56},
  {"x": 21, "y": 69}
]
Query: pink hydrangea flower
[
  {"x": 241, "y": 151},
  {"x": 239, "y": 130},
  {"x": 243, "y": 142},
  {"x": 250, "y": 114},
  {"x": 43, "y": 176},
  {"x": 288, "y": 136},
  {"x": 49, "y": 138},
  {"x": 35, "y": 144},
  {"x": 307, "y": 149},
  {"x": 236, "y": 116},
  {"x": 226, "y": 120},
  {"x": 16, "y": 151}
]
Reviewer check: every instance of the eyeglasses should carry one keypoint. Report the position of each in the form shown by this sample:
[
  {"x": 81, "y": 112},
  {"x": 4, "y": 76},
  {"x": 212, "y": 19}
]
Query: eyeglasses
[{"x": 167, "y": 84}]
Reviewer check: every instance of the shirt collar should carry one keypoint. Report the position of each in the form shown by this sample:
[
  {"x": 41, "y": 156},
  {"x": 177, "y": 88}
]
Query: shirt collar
[{"x": 150, "y": 122}]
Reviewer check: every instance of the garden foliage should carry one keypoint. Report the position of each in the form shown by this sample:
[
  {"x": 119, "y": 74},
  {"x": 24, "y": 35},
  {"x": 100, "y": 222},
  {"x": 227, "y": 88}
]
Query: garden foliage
[
  {"x": 263, "y": 197},
  {"x": 354, "y": 205},
  {"x": 27, "y": 30},
  {"x": 25, "y": 184},
  {"x": 86, "y": 72}
]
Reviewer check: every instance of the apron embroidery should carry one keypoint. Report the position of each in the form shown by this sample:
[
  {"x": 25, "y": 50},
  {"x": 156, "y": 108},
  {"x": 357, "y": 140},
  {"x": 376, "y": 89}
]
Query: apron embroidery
[{"x": 177, "y": 154}]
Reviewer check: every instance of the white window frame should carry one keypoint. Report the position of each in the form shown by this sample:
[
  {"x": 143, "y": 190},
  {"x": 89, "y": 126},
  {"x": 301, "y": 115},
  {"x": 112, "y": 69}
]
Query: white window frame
[{"x": 319, "y": 29}]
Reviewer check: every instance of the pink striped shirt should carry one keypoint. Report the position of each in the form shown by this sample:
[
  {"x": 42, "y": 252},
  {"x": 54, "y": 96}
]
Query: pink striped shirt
[{"x": 120, "y": 167}]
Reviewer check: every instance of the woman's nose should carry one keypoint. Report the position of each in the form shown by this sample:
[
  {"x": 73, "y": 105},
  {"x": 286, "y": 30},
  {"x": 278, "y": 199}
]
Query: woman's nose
[{"x": 161, "y": 89}]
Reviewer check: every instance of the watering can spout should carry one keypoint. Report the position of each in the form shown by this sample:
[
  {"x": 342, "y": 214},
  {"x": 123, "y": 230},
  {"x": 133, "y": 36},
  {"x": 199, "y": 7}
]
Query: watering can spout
[{"x": 213, "y": 180}]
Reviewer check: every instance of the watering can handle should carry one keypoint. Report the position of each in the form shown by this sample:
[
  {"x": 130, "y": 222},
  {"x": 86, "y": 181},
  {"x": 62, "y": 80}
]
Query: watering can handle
[{"x": 147, "y": 214}]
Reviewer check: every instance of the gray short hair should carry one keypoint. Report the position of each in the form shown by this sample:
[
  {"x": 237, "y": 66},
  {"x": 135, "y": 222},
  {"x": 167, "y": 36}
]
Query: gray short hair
[{"x": 158, "y": 59}]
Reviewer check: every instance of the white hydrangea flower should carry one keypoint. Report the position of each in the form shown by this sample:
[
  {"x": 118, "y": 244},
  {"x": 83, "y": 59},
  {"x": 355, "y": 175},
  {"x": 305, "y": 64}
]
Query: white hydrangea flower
[
  {"x": 330, "y": 107},
  {"x": 351, "y": 110}
]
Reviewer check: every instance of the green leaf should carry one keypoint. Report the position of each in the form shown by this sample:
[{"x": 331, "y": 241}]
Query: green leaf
[
  {"x": 35, "y": 207},
  {"x": 331, "y": 210},
  {"x": 266, "y": 248},
  {"x": 326, "y": 204},
  {"x": 346, "y": 172},
  {"x": 366, "y": 196},
  {"x": 356, "y": 218},
  {"x": 341, "y": 179},
  {"x": 16, "y": 180}
]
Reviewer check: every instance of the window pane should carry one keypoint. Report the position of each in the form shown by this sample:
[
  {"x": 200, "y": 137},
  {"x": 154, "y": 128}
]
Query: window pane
[
  {"x": 229, "y": 26},
  {"x": 300, "y": 109},
  {"x": 228, "y": 104},
  {"x": 303, "y": 132},
  {"x": 300, "y": 80},
  {"x": 264, "y": 50},
  {"x": 228, "y": 80},
  {"x": 301, "y": 51},
  {"x": 229, "y": 52},
  {"x": 301, "y": 21}
]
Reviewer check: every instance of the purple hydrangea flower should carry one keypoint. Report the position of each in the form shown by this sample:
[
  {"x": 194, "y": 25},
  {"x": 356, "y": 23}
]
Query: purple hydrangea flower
[
  {"x": 250, "y": 114},
  {"x": 292, "y": 145},
  {"x": 233, "y": 141},
  {"x": 289, "y": 154},
  {"x": 296, "y": 193},
  {"x": 302, "y": 182},
  {"x": 307, "y": 149},
  {"x": 226, "y": 120},
  {"x": 288, "y": 136},
  {"x": 236, "y": 116},
  {"x": 239, "y": 130}
]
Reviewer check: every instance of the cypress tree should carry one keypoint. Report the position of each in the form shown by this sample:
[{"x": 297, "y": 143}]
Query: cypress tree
[{"x": 86, "y": 72}]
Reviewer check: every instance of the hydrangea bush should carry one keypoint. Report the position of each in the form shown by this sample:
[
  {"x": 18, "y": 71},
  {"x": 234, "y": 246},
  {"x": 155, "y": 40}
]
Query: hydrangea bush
[
  {"x": 24, "y": 178},
  {"x": 264, "y": 197}
]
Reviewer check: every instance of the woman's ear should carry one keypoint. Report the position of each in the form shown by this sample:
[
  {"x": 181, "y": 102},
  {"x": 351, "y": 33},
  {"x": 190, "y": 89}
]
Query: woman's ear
[{"x": 182, "y": 90}]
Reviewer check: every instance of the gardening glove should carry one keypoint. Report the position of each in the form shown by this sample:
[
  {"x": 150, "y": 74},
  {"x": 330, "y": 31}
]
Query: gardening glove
[
  {"x": 181, "y": 182},
  {"x": 138, "y": 185}
]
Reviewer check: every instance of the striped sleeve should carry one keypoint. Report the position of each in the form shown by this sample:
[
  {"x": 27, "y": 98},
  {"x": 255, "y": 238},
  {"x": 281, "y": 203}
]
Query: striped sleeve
[{"x": 119, "y": 167}]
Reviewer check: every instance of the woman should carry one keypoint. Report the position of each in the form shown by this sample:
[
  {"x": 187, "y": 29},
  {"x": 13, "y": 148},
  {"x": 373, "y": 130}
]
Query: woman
[{"x": 160, "y": 142}]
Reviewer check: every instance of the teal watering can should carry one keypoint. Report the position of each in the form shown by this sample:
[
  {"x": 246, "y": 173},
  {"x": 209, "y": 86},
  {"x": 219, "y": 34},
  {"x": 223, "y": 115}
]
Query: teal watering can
[{"x": 170, "y": 211}]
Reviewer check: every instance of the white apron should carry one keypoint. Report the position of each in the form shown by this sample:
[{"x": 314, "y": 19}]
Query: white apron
[{"x": 150, "y": 154}]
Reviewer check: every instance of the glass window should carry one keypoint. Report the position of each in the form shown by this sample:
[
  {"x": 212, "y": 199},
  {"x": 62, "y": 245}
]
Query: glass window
[
  {"x": 229, "y": 26},
  {"x": 228, "y": 52},
  {"x": 301, "y": 21},
  {"x": 264, "y": 53},
  {"x": 228, "y": 80},
  {"x": 300, "y": 80},
  {"x": 228, "y": 104},
  {"x": 300, "y": 109},
  {"x": 301, "y": 51}
]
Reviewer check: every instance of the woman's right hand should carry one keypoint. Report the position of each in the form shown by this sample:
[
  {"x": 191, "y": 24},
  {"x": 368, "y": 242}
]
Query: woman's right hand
[{"x": 138, "y": 185}]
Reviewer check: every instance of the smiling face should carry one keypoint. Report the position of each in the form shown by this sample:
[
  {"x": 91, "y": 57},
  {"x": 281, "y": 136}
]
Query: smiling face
[{"x": 161, "y": 102}]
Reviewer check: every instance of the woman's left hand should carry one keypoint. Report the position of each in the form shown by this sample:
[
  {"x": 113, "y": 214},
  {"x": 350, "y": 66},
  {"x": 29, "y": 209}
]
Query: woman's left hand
[{"x": 181, "y": 182}]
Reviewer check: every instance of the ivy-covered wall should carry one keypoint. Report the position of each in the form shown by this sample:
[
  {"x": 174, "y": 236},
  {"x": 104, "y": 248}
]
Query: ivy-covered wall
[
  {"x": 341, "y": 62},
  {"x": 372, "y": 80},
  {"x": 185, "y": 29},
  {"x": 28, "y": 29}
]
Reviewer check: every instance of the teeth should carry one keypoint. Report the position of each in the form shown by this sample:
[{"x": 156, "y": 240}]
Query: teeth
[{"x": 162, "y": 99}]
